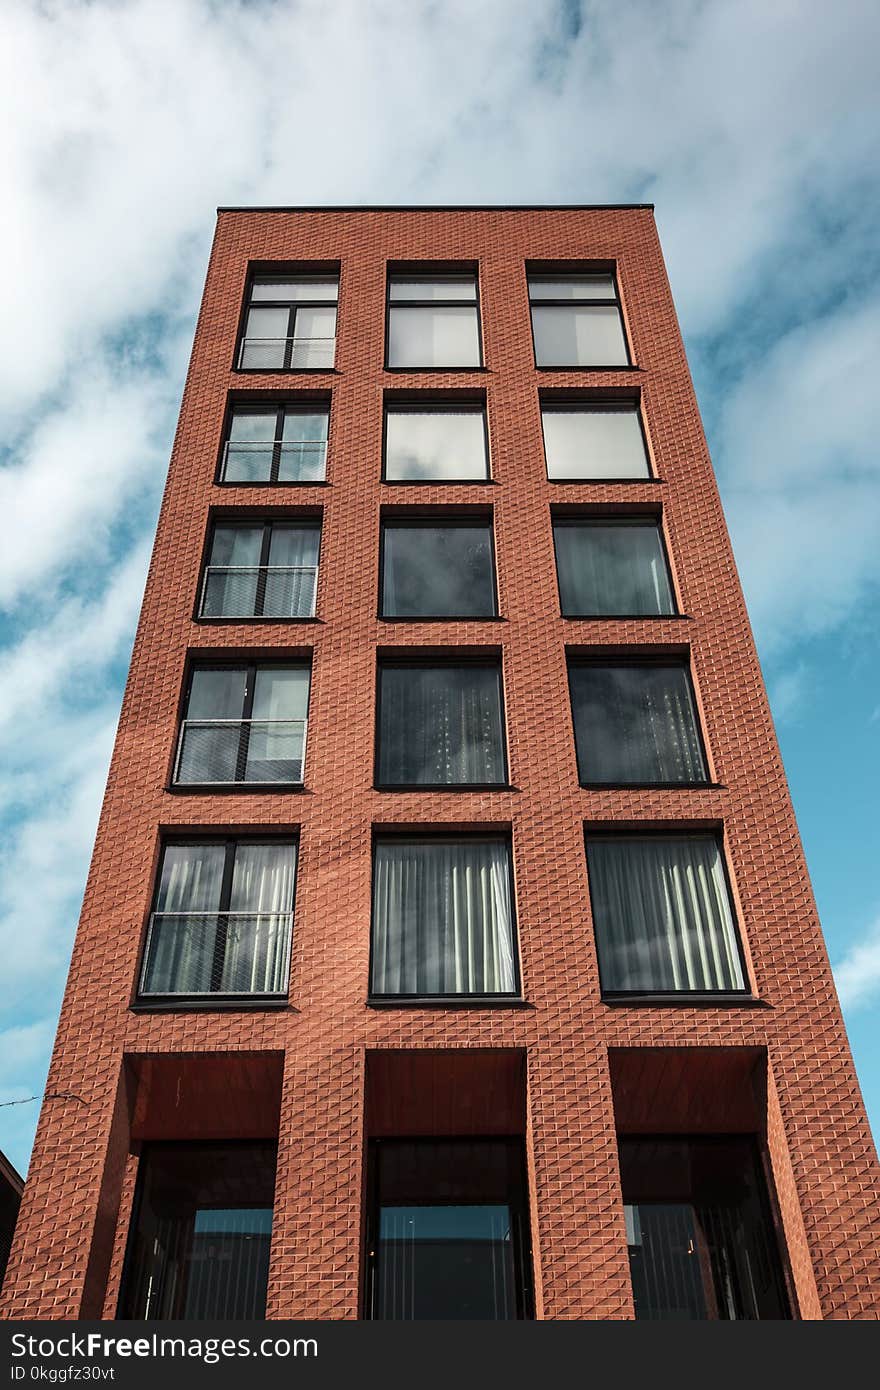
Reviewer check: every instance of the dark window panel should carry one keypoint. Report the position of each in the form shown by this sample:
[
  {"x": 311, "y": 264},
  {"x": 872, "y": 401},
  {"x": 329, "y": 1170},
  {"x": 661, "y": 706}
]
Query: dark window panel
[
  {"x": 635, "y": 724},
  {"x": 440, "y": 726},
  {"x": 442, "y": 571},
  {"x": 612, "y": 568}
]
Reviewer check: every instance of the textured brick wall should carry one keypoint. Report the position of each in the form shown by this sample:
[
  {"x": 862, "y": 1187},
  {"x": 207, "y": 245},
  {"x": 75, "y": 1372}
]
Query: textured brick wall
[{"x": 819, "y": 1140}]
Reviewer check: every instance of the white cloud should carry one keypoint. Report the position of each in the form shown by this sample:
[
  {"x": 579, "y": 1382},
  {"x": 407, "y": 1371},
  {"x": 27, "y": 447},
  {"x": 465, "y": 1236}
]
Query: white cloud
[{"x": 857, "y": 973}]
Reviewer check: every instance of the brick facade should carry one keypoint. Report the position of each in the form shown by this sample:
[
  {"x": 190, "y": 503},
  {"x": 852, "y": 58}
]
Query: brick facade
[{"x": 70, "y": 1241}]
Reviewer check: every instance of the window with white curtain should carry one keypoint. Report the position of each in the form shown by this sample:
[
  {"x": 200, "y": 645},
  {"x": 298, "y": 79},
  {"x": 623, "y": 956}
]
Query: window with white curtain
[
  {"x": 433, "y": 320},
  {"x": 440, "y": 725},
  {"x": 440, "y": 568},
  {"x": 442, "y": 917},
  {"x": 261, "y": 570},
  {"x": 222, "y": 919},
  {"x": 243, "y": 724},
  {"x": 290, "y": 323},
  {"x": 576, "y": 321},
  {"x": 279, "y": 446},
  {"x": 662, "y": 915},
  {"x": 612, "y": 567},
  {"x": 435, "y": 444},
  {"x": 635, "y": 723},
  {"x": 596, "y": 439}
]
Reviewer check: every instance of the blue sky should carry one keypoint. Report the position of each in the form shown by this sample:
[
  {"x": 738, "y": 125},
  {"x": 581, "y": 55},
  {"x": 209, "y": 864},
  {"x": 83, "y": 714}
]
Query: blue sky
[{"x": 123, "y": 123}]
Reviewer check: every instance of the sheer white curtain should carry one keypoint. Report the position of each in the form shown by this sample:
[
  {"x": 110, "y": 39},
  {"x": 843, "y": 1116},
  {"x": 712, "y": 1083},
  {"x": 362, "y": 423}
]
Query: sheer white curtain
[
  {"x": 258, "y": 944},
  {"x": 662, "y": 914},
  {"x": 184, "y": 929},
  {"x": 615, "y": 569},
  {"x": 442, "y": 918}
]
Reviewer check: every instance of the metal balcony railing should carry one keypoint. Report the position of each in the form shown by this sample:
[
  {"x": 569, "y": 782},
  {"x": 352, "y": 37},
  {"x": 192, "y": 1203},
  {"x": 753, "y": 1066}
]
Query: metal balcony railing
[
  {"x": 295, "y": 461},
  {"x": 258, "y": 591},
  {"x": 284, "y": 354},
  {"x": 224, "y": 752},
  {"x": 216, "y": 953}
]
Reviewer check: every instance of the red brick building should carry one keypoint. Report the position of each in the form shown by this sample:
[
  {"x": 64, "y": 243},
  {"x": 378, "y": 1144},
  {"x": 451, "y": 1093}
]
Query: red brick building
[{"x": 501, "y": 994}]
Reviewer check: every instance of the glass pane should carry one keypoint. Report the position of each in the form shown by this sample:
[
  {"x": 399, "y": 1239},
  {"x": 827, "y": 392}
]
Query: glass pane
[
  {"x": 662, "y": 915},
  {"x": 211, "y": 735},
  {"x": 217, "y": 693},
  {"x": 435, "y": 446},
  {"x": 314, "y": 340},
  {"x": 449, "y": 287},
  {"x": 257, "y": 950},
  {"x": 230, "y": 585},
  {"x": 582, "y": 336},
  {"x": 298, "y": 291},
  {"x": 613, "y": 569},
  {"x": 441, "y": 337},
  {"x": 250, "y": 448},
  {"x": 290, "y": 580},
  {"x": 201, "y": 1227},
  {"x": 572, "y": 287},
  {"x": 635, "y": 724},
  {"x": 450, "y": 1230},
  {"x": 699, "y": 1230},
  {"x": 440, "y": 725},
  {"x": 304, "y": 447},
  {"x": 594, "y": 442},
  {"x": 276, "y": 738},
  {"x": 191, "y": 878},
  {"x": 437, "y": 572},
  {"x": 442, "y": 918},
  {"x": 265, "y": 338}
]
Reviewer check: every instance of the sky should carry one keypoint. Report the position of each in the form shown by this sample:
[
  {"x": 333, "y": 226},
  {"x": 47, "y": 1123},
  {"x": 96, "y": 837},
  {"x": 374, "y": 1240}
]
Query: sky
[{"x": 753, "y": 127}]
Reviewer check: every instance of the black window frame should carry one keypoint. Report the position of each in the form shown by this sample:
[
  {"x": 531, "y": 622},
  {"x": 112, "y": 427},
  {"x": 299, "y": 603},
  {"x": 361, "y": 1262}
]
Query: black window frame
[
  {"x": 522, "y": 1243},
  {"x": 268, "y": 523},
  {"x": 451, "y": 517},
  {"x": 214, "y": 1001},
  {"x": 719, "y": 999},
  {"x": 584, "y": 302},
  {"x": 575, "y": 520},
  {"x": 586, "y": 404},
  {"x": 280, "y": 276},
  {"x": 250, "y": 666},
  {"x": 679, "y": 661},
  {"x": 432, "y": 276},
  {"x": 280, "y": 410},
  {"x": 420, "y": 660},
  {"x": 433, "y": 406},
  {"x": 450, "y": 999}
]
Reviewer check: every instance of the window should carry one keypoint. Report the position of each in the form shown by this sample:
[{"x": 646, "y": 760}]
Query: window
[
  {"x": 243, "y": 724},
  {"x": 662, "y": 915},
  {"x": 222, "y": 920},
  {"x": 576, "y": 321},
  {"x": 438, "y": 569},
  {"x": 261, "y": 570},
  {"x": 699, "y": 1230},
  {"x": 635, "y": 724},
  {"x": 612, "y": 567},
  {"x": 448, "y": 1230},
  {"x": 433, "y": 321},
  {"x": 594, "y": 440},
  {"x": 198, "y": 1247},
  {"x": 440, "y": 725},
  {"x": 291, "y": 324},
  {"x": 442, "y": 917},
  {"x": 283, "y": 445},
  {"x": 439, "y": 444}
]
